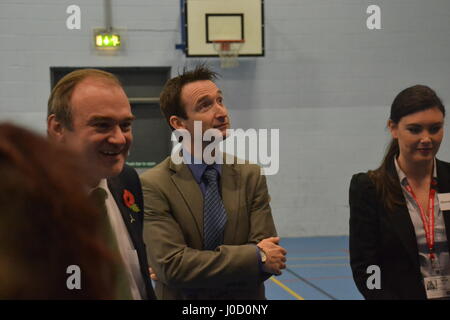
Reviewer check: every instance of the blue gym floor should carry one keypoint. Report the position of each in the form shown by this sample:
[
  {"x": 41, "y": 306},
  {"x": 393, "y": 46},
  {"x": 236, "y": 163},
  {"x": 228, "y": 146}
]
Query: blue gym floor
[{"x": 318, "y": 268}]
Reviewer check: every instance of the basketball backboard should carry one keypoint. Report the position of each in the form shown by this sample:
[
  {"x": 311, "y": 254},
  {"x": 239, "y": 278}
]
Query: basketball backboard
[{"x": 207, "y": 21}]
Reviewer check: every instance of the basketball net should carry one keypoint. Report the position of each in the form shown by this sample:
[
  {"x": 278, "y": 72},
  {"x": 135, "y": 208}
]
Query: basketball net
[{"x": 228, "y": 52}]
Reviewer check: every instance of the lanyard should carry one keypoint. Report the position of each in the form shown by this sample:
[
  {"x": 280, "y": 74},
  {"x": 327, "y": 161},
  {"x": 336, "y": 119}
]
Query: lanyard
[{"x": 428, "y": 224}]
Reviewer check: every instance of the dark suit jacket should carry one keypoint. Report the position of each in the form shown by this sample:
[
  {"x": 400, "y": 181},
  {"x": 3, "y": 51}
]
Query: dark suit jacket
[
  {"x": 387, "y": 239},
  {"x": 129, "y": 180},
  {"x": 174, "y": 230}
]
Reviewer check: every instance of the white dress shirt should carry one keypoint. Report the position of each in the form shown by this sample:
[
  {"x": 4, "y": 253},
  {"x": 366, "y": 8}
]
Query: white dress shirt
[
  {"x": 125, "y": 245},
  {"x": 440, "y": 236}
]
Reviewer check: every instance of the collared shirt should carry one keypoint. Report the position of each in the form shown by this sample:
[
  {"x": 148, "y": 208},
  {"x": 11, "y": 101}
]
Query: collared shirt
[
  {"x": 125, "y": 245},
  {"x": 440, "y": 237},
  {"x": 197, "y": 170}
]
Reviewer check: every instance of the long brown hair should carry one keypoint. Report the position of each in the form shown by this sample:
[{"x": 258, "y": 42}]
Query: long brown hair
[
  {"x": 48, "y": 224},
  {"x": 411, "y": 100}
]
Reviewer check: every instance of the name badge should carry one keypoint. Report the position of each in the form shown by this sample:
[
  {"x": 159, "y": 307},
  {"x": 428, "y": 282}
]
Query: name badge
[
  {"x": 437, "y": 287},
  {"x": 444, "y": 201}
]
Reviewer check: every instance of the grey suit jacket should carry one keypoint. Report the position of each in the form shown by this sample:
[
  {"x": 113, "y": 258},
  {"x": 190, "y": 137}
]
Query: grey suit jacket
[{"x": 173, "y": 229}]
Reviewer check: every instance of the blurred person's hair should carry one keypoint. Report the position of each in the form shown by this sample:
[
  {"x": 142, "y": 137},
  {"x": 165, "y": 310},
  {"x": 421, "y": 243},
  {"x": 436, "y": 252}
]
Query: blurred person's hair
[
  {"x": 410, "y": 100},
  {"x": 170, "y": 97},
  {"x": 47, "y": 223},
  {"x": 59, "y": 100}
]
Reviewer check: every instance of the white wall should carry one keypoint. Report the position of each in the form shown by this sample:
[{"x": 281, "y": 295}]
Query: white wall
[{"x": 326, "y": 82}]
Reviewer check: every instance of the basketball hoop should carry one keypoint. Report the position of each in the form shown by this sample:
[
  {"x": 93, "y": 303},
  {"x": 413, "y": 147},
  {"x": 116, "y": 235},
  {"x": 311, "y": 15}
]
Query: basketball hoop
[{"x": 228, "y": 51}]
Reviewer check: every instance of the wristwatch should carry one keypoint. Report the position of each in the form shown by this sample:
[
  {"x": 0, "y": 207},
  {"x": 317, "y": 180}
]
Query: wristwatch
[{"x": 263, "y": 255}]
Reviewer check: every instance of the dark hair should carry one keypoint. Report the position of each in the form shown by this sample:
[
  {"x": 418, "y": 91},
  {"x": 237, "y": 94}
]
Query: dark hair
[
  {"x": 411, "y": 100},
  {"x": 59, "y": 100},
  {"x": 170, "y": 97},
  {"x": 47, "y": 223}
]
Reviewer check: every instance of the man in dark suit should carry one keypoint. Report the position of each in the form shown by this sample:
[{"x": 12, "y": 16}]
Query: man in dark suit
[
  {"x": 210, "y": 227},
  {"x": 89, "y": 112}
]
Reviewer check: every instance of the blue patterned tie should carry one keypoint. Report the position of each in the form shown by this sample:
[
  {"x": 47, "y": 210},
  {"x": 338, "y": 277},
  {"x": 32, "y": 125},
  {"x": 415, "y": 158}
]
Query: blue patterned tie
[{"x": 214, "y": 214}]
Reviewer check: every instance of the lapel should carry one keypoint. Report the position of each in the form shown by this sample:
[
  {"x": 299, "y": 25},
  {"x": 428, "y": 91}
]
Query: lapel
[
  {"x": 401, "y": 219},
  {"x": 230, "y": 186},
  {"x": 443, "y": 174},
  {"x": 117, "y": 189},
  {"x": 193, "y": 197},
  {"x": 401, "y": 222},
  {"x": 190, "y": 191}
]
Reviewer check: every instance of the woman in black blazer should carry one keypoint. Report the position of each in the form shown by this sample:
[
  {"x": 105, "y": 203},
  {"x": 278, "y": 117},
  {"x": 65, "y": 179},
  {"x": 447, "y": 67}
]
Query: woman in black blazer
[{"x": 392, "y": 225}]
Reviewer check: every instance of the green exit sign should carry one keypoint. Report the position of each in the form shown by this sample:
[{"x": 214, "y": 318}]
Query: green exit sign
[{"x": 107, "y": 40}]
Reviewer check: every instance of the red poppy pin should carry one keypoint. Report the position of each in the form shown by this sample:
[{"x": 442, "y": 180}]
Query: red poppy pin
[{"x": 129, "y": 200}]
